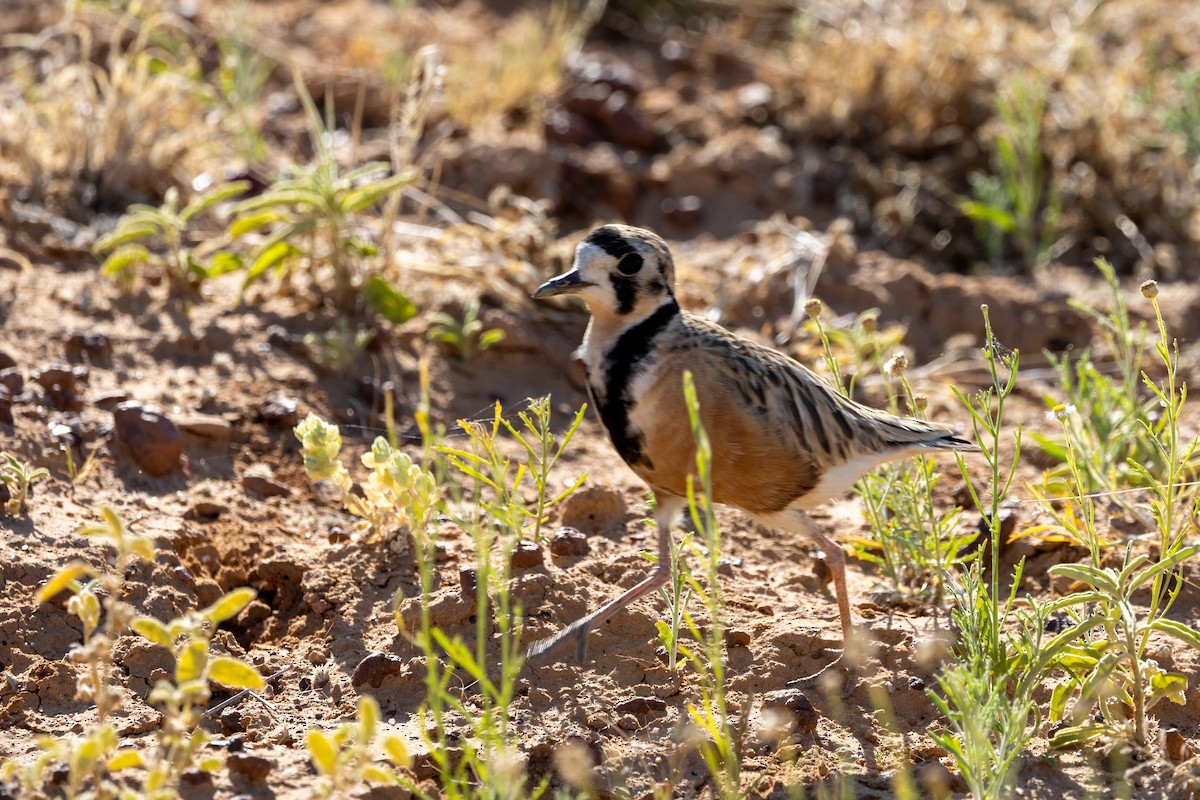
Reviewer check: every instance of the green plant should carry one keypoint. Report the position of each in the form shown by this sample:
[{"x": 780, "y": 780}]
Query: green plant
[
  {"x": 345, "y": 759},
  {"x": 720, "y": 738},
  {"x": 397, "y": 492},
  {"x": 1020, "y": 199},
  {"x": 983, "y": 692},
  {"x": 915, "y": 545},
  {"x": 241, "y": 76},
  {"x": 169, "y": 227},
  {"x": 1112, "y": 426},
  {"x": 337, "y": 348},
  {"x": 465, "y": 335},
  {"x": 313, "y": 214},
  {"x": 677, "y": 595},
  {"x": 1184, "y": 118},
  {"x": 18, "y": 476},
  {"x": 1112, "y": 673},
  {"x": 491, "y": 469}
]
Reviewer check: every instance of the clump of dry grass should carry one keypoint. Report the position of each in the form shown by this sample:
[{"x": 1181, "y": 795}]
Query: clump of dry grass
[{"x": 105, "y": 109}]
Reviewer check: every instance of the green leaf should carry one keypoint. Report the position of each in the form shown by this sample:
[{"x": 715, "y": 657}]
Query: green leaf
[
  {"x": 1166, "y": 564},
  {"x": 124, "y": 258},
  {"x": 1077, "y": 735},
  {"x": 273, "y": 256},
  {"x": 154, "y": 631},
  {"x": 229, "y": 606},
  {"x": 225, "y": 261},
  {"x": 1170, "y": 685},
  {"x": 366, "y": 196},
  {"x": 368, "y": 718},
  {"x": 216, "y": 195},
  {"x": 124, "y": 759},
  {"x": 251, "y": 222},
  {"x": 1095, "y": 577},
  {"x": 235, "y": 673},
  {"x": 324, "y": 754},
  {"x": 192, "y": 661},
  {"x": 387, "y": 301},
  {"x": 981, "y": 212},
  {"x": 1183, "y": 633},
  {"x": 397, "y": 751},
  {"x": 124, "y": 234},
  {"x": 1055, "y": 448},
  {"x": 61, "y": 580}
]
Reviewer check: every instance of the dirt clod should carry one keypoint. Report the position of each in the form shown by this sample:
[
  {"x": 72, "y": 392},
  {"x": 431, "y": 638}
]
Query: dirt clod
[
  {"x": 1176, "y": 745},
  {"x": 152, "y": 438},
  {"x": 937, "y": 781},
  {"x": 11, "y": 378},
  {"x": 205, "y": 426},
  {"x": 594, "y": 509},
  {"x": 737, "y": 637}
]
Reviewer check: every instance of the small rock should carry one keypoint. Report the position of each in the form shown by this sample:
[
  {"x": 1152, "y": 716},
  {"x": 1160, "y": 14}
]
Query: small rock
[
  {"x": 6, "y": 415},
  {"x": 641, "y": 705},
  {"x": 231, "y": 721},
  {"x": 205, "y": 426},
  {"x": 280, "y": 410},
  {"x": 527, "y": 554},
  {"x": 628, "y": 722},
  {"x": 916, "y": 683},
  {"x": 568, "y": 542},
  {"x": 110, "y": 400},
  {"x": 468, "y": 582},
  {"x": 60, "y": 375},
  {"x": 205, "y": 511},
  {"x": 196, "y": 777},
  {"x": 253, "y": 768},
  {"x": 95, "y": 345},
  {"x": 1176, "y": 746},
  {"x": 754, "y": 100},
  {"x": 6, "y": 361},
  {"x": 375, "y": 669},
  {"x": 152, "y": 438},
  {"x": 937, "y": 781},
  {"x": 11, "y": 378},
  {"x": 795, "y": 702},
  {"x": 264, "y": 487},
  {"x": 280, "y": 339},
  {"x": 736, "y": 637}
]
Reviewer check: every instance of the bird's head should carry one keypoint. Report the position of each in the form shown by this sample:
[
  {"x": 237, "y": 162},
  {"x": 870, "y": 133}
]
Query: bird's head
[{"x": 618, "y": 270}]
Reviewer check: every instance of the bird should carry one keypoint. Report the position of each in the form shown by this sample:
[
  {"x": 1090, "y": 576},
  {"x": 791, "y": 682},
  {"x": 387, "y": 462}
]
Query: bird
[{"x": 783, "y": 439}]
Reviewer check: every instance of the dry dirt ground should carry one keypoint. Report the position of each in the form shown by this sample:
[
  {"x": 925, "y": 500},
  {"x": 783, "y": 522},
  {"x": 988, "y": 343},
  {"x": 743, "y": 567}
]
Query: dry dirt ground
[
  {"x": 325, "y": 602},
  {"x": 325, "y": 599}
]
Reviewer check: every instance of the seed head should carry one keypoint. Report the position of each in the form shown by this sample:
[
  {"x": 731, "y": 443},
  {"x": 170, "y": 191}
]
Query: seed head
[
  {"x": 896, "y": 364},
  {"x": 920, "y": 402},
  {"x": 1150, "y": 290},
  {"x": 813, "y": 307},
  {"x": 869, "y": 320}
]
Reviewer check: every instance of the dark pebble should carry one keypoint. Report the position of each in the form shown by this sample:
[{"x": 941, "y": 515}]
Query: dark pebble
[
  {"x": 6, "y": 361},
  {"x": 95, "y": 345},
  {"x": 11, "y": 378},
  {"x": 254, "y": 768},
  {"x": 527, "y": 554},
  {"x": 937, "y": 781},
  {"x": 205, "y": 511},
  {"x": 640, "y": 705},
  {"x": 264, "y": 487},
  {"x": 279, "y": 409},
  {"x": 568, "y": 542},
  {"x": 375, "y": 669},
  {"x": 795, "y": 702},
  {"x": 153, "y": 440},
  {"x": 468, "y": 582}
]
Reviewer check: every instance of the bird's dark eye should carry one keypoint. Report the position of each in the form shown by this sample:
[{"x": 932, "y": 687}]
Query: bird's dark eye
[{"x": 629, "y": 264}]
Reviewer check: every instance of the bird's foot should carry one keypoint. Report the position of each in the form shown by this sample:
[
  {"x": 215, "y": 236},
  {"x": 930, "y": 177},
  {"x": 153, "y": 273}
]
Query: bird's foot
[{"x": 576, "y": 632}]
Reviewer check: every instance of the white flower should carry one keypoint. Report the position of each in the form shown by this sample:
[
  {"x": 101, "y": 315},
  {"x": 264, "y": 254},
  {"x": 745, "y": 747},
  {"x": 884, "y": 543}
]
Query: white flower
[{"x": 1060, "y": 411}]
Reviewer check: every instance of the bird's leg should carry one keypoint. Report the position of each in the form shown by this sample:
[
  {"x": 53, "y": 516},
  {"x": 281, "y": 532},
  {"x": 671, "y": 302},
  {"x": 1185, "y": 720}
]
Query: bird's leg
[{"x": 667, "y": 510}]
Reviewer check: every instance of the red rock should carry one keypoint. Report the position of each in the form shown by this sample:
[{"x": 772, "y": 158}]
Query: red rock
[{"x": 152, "y": 438}]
